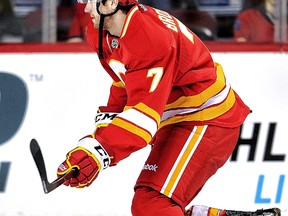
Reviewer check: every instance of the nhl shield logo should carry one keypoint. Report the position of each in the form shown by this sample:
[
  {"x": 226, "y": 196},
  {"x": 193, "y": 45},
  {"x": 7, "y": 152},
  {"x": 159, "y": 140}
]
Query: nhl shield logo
[{"x": 114, "y": 43}]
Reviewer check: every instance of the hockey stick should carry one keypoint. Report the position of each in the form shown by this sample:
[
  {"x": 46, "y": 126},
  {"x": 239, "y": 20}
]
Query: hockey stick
[
  {"x": 259, "y": 212},
  {"x": 39, "y": 161}
]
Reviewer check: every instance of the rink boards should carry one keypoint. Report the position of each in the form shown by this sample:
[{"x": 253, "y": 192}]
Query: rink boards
[{"x": 55, "y": 95}]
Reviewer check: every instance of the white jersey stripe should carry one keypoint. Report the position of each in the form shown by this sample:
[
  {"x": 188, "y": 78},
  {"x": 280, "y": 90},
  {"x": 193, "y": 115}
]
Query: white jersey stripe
[
  {"x": 140, "y": 120},
  {"x": 212, "y": 101}
]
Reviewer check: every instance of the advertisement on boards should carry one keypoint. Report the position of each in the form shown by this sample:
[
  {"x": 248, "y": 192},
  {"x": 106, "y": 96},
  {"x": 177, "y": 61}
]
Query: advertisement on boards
[{"x": 53, "y": 97}]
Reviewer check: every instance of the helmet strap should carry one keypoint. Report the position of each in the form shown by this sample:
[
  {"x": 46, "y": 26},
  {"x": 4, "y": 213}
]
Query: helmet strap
[
  {"x": 101, "y": 24},
  {"x": 100, "y": 47}
]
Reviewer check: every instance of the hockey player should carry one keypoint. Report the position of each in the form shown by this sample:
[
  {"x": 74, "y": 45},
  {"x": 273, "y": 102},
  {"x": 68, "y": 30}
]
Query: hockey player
[{"x": 167, "y": 92}]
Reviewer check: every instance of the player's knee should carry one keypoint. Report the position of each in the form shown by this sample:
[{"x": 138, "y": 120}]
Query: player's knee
[
  {"x": 142, "y": 201},
  {"x": 137, "y": 207},
  {"x": 147, "y": 201}
]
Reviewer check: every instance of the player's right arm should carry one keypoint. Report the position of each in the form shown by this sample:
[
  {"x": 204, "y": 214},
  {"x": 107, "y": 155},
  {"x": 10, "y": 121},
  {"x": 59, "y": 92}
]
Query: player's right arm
[{"x": 117, "y": 96}]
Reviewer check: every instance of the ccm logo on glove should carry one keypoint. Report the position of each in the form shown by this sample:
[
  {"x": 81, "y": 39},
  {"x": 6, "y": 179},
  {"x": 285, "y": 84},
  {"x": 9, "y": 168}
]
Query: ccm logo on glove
[
  {"x": 96, "y": 149},
  {"x": 104, "y": 118},
  {"x": 103, "y": 153}
]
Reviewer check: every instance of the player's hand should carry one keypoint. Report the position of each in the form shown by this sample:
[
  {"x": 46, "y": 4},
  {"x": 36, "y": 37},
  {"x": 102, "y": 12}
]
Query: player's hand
[{"x": 89, "y": 157}]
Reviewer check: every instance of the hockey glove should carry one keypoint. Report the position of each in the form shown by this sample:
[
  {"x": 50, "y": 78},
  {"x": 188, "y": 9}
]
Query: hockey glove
[
  {"x": 103, "y": 119},
  {"x": 89, "y": 158}
]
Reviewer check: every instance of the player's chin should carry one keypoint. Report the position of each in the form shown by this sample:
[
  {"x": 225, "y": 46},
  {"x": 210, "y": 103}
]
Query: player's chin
[{"x": 96, "y": 23}]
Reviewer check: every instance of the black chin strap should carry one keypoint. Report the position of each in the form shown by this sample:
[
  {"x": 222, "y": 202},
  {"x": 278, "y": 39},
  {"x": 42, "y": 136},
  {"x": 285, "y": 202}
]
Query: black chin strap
[
  {"x": 100, "y": 37},
  {"x": 101, "y": 24}
]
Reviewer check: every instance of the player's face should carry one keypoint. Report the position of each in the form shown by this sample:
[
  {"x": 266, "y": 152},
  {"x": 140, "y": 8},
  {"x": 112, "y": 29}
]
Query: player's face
[{"x": 91, "y": 8}]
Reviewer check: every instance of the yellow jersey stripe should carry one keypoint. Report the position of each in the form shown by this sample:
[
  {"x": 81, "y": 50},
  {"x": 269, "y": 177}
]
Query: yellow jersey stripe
[
  {"x": 127, "y": 107},
  {"x": 140, "y": 119},
  {"x": 118, "y": 84},
  {"x": 182, "y": 160},
  {"x": 205, "y": 114},
  {"x": 132, "y": 128},
  {"x": 149, "y": 111},
  {"x": 199, "y": 99}
]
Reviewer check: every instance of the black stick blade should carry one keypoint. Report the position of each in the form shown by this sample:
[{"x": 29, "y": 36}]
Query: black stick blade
[
  {"x": 38, "y": 158},
  {"x": 39, "y": 161}
]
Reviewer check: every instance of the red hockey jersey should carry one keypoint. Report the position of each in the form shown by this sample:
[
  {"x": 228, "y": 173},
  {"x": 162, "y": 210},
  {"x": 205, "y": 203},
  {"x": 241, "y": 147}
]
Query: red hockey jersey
[{"x": 163, "y": 74}]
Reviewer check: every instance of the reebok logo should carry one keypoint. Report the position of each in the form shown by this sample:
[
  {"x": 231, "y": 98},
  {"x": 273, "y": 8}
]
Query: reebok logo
[{"x": 150, "y": 167}]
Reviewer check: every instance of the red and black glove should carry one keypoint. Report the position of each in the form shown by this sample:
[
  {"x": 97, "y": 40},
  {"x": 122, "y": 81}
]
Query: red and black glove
[{"x": 89, "y": 158}]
